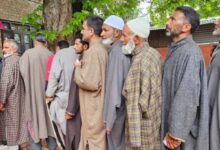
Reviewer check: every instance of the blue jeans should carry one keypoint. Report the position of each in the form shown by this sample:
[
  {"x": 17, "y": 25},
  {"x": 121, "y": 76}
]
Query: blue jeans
[{"x": 51, "y": 144}]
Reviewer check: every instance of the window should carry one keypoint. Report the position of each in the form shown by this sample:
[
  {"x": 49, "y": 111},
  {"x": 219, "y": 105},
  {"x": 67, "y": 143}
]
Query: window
[
  {"x": 16, "y": 31},
  {"x": 6, "y": 25}
]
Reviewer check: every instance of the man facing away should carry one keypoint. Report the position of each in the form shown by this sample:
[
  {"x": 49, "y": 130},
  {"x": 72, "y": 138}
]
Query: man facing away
[
  {"x": 118, "y": 66},
  {"x": 12, "y": 100},
  {"x": 214, "y": 93},
  {"x": 142, "y": 87},
  {"x": 185, "y": 122},
  {"x": 33, "y": 65},
  {"x": 60, "y": 45},
  {"x": 90, "y": 77},
  {"x": 58, "y": 86}
]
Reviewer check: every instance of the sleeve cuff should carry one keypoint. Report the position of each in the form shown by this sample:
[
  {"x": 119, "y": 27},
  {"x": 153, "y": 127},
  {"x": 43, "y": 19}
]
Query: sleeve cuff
[
  {"x": 176, "y": 138},
  {"x": 69, "y": 113}
]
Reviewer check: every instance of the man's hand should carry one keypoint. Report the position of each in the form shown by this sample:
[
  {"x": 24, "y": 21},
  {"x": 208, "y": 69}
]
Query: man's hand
[
  {"x": 104, "y": 124},
  {"x": 78, "y": 63},
  {"x": 2, "y": 108},
  {"x": 49, "y": 99},
  {"x": 108, "y": 130},
  {"x": 171, "y": 143},
  {"x": 68, "y": 116}
]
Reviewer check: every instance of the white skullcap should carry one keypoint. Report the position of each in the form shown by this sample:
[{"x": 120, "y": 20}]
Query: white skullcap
[
  {"x": 140, "y": 26},
  {"x": 115, "y": 22}
]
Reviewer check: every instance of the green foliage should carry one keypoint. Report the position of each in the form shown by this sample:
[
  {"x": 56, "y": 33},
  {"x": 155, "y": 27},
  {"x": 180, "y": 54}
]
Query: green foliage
[
  {"x": 124, "y": 8},
  {"x": 34, "y": 19},
  {"x": 75, "y": 23},
  {"x": 104, "y": 8},
  {"x": 160, "y": 10}
]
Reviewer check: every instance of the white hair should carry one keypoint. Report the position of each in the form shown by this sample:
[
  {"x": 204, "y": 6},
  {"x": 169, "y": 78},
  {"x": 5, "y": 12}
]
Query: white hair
[{"x": 13, "y": 43}]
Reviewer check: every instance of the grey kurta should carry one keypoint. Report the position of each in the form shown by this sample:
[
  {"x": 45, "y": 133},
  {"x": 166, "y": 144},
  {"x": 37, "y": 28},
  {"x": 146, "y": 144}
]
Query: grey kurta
[
  {"x": 214, "y": 97},
  {"x": 185, "y": 112},
  {"x": 33, "y": 66},
  {"x": 59, "y": 84},
  {"x": 114, "y": 107},
  {"x": 12, "y": 96}
]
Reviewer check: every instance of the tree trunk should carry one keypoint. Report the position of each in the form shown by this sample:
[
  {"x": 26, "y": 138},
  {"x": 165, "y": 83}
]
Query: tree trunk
[{"x": 57, "y": 14}]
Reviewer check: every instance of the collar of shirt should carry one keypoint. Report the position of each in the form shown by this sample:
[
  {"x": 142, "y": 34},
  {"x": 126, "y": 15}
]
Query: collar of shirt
[
  {"x": 175, "y": 45},
  {"x": 216, "y": 51},
  {"x": 138, "y": 50},
  {"x": 181, "y": 42}
]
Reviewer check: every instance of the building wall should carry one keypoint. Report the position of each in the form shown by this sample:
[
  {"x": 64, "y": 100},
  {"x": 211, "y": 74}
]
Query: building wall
[
  {"x": 14, "y": 10},
  {"x": 206, "y": 50},
  {"x": 158, "y": 38},
  {"x": 203, "y": 36}
]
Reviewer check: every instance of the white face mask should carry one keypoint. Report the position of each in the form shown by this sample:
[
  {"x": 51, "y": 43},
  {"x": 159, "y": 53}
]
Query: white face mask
[
  {"x": 7, "y": 54},
  {"x": 108, "y": 41},
  {"x": 216, "y": 32},
  {"x": 128, "y": 48}
]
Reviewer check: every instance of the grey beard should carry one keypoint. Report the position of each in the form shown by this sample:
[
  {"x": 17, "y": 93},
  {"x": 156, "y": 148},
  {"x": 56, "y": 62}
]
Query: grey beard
[
  {"x": 128, "y": 48},
  {"x": 172, "y": 33},
  {"x": 107, "y": 42}
]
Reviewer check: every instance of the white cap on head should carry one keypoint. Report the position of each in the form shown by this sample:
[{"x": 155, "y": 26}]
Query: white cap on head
[
  {"x": 115, "y": 22},
  {"x": 140, "y": 26}
]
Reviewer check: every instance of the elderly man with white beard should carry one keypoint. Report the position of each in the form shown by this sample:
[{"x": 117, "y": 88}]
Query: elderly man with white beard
[
  {"x": 118, "y": 66},
  {"x": 142, "y": 88}
]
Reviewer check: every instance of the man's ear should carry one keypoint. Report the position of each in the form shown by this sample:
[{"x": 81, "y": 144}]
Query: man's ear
[
  {"x": 85, "y": 47},
  {"x": 91, "y": 31},
  {"x": 14, "y": 50},
  {"x": 186, "y": 28},
  {"x": 137, "y": 40},
  {"x": 117, "y": 33}
]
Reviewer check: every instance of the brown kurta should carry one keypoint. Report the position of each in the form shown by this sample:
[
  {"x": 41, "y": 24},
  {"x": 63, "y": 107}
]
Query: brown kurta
[
  {"x": 91, "y": 80},
  {"x": 12, "y": 96},
  {"x": 33, "y": 64},
  {"x": 142, "y": 91}
]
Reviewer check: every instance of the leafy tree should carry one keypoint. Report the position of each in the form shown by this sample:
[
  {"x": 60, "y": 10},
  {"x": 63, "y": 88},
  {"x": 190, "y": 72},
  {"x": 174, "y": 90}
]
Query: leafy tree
[
  {"x": 161, "y": 9},
  {"x": 59, "y": 19}
]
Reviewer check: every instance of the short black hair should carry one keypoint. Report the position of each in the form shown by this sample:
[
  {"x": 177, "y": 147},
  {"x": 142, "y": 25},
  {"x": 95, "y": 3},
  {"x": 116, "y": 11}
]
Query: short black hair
[
  {"x": 80, "y": 37},
  {"x": 63, "y": 44},
  {"x": 95, "y": 22},
  {"x": 191, "y": 15},
  {"x": 41, "y": 38}
]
